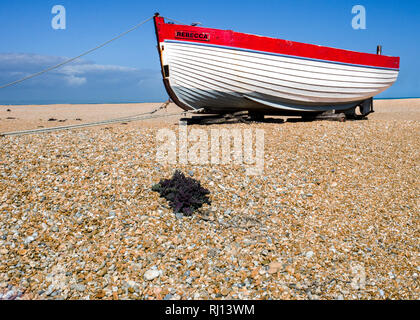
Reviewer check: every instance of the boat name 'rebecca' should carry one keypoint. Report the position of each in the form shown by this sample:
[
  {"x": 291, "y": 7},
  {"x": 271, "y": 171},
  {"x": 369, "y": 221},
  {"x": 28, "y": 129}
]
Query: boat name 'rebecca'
[{"x": 192, "y": 35}]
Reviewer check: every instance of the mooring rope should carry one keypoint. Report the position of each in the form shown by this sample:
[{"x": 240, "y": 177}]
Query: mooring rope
[
  {"x": 139, "y": 117},
  {"x": 75, "y": 58}
]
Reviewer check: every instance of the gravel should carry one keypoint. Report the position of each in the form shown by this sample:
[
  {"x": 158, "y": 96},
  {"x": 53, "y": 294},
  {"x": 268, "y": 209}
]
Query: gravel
[{"x": 101, "y": 233}]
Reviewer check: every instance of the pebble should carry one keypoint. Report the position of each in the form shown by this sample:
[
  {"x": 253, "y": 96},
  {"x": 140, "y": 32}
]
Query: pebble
[
  {"x": 28, "y": 240},
  {"x": 49, "y": 290},
  {"x": 225, "y": 291},
  {"x": 309, "y": 254},
  {"x": 102, "y": 272},
  {"x": 275, "y": 267},
  {"x": 79, "y": 287},
  {"x": 151, "y": 274}
]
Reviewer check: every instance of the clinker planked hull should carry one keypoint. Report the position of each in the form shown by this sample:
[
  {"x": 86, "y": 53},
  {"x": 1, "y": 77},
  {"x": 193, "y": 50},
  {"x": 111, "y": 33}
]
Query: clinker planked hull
[{"x": 225, "y": 71}]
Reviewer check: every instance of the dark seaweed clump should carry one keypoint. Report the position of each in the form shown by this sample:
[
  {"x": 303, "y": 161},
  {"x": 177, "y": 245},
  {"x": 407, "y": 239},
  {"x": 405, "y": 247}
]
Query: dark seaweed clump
[{"x": 184, "y": 194}]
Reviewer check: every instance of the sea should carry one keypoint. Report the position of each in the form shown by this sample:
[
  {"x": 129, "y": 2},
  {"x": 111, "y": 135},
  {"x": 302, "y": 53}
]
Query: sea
[{"x": 72, "y": 101}]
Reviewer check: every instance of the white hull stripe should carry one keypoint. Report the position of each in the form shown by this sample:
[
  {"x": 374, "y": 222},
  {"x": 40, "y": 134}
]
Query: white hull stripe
[{"x": 277, "y": 54}]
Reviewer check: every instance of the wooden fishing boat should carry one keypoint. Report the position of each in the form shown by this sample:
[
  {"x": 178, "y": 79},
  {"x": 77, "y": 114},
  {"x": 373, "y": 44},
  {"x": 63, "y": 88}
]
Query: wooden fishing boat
[{"x": 223, "y": 71}]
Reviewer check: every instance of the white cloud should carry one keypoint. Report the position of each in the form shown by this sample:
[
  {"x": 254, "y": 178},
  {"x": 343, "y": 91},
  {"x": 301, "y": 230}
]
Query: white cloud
[
  {"x": 75, "y": 81},
  {"x": 81, "y": 80},
  {"x": 85, "y": 68},
  {"x": 17, "y": 65}
]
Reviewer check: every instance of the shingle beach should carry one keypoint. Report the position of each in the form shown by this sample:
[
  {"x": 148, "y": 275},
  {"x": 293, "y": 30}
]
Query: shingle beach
[{"x": 335, "y": 214}]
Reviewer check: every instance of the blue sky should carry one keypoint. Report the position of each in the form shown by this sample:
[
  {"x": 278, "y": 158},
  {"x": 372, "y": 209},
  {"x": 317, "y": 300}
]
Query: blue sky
[{"x": 128, "y": 69}]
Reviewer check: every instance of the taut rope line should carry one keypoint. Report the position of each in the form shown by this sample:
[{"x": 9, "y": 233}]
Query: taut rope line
[{"x": 139, "y": 117}]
